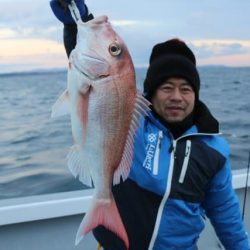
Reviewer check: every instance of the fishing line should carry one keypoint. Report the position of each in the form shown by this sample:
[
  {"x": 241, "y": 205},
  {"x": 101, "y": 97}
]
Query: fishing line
[
  {"x": 246, "y": 188},
  {"x": 74, "y": 11}
]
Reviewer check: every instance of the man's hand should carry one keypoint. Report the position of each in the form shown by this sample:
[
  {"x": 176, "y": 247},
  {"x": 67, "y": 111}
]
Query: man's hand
[{"x": 61, "y": 11}]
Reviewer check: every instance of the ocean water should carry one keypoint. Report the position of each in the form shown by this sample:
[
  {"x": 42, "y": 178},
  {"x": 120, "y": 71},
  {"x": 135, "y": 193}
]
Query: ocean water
[{"x": 33, "y": 146}]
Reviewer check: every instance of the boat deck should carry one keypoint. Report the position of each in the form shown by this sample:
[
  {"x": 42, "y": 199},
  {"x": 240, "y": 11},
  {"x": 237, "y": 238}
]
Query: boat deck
[{"x": 50, "y": 222}]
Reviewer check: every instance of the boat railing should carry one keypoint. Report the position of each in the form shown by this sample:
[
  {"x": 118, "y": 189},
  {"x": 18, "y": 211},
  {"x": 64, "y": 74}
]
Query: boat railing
[{"x": 49, "y": 206}]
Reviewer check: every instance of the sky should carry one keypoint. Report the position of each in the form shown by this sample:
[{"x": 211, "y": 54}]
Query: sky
[{"x": 218, "y": 31}]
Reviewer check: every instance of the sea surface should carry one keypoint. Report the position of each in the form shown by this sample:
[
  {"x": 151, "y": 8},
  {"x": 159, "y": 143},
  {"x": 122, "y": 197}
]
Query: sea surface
[{"x": 33, "y": 146}]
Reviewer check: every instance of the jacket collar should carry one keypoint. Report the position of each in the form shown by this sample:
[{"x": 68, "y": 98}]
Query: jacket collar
[{"x": 204, "y": 122}]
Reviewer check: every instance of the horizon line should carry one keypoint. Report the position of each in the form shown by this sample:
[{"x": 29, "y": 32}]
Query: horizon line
[{"x": 60, "y": 69}]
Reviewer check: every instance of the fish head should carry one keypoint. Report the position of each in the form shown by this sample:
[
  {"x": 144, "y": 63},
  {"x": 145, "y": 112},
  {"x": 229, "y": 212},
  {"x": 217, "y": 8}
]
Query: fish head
[{"x": 100, "y": 52}]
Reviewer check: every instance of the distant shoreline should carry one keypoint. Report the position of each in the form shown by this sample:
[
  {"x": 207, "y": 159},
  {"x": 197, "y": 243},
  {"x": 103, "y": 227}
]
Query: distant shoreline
[{"x": 62, "y": 70}]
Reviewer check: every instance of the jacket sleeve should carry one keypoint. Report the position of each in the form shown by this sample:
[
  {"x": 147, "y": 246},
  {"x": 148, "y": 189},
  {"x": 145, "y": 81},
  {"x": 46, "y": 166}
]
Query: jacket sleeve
[
  {"x": 222, "y": 208},
  {"x": 69, "y": 37}
]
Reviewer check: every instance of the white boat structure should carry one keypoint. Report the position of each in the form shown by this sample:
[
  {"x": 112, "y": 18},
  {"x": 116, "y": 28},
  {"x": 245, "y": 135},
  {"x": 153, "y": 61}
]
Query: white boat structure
[{"x": 47, "y": 222}]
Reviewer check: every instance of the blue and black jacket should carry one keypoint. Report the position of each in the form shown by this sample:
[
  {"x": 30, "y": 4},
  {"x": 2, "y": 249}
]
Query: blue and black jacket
[{"x": 172, "y": 186}]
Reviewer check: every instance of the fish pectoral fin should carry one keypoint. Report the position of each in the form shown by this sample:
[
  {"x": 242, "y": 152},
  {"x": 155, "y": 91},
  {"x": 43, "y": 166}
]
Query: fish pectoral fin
[
  {"x": 141, "y": 108},
  {"x": 78, "y": 166},
  {"x": 62, "y": 105}
]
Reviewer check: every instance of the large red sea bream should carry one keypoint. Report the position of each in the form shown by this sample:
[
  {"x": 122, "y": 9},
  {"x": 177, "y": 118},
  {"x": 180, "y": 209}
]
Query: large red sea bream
[{"x": 105, "y": 109}]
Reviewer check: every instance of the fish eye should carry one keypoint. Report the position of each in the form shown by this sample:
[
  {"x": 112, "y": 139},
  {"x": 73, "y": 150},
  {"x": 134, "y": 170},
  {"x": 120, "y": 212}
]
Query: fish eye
[{"x": 115, "y": 49}]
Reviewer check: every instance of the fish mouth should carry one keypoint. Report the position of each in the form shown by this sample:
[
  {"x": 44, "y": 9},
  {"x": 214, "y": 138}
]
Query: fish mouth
[{"x": 91, "y": 67}]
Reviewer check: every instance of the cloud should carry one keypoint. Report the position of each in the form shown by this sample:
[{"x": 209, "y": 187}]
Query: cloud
[
  {"x": 211, "y": 48},
  {"x": 140, "y": 23},
  {"x": 121, "y": 23},
  {"x": 7, "y": 33},
  {"x": 28, "y": 19},
  {"x": 24, "y": 54},
  {"x": 186, "y": 19}
]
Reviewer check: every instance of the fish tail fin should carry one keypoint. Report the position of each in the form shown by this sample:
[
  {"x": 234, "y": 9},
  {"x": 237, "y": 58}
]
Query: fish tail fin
[{"x": 103, "y": 212}]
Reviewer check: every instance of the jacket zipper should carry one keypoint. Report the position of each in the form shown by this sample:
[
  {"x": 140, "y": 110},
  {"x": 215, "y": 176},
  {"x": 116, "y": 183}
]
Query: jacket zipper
[
  {"x": 157, "y": 154},
  {"x": 165, "y": 197},
  {"x": 185, "y": 162}
]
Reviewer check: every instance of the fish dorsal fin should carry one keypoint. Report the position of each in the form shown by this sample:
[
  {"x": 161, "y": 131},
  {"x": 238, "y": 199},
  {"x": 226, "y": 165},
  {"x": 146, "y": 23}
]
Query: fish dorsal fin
[
  {"x": 62, "y": 105},
  {"x": 140, "y": 109},
  {"x": 78, "y": 166}
]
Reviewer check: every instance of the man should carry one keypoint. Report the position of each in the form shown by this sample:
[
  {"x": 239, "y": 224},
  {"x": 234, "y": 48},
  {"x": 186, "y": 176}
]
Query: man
[{"x": 180, "y": 170}]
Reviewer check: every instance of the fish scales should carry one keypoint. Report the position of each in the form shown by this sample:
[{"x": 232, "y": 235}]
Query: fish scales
[{"x": 105, "y": 109}]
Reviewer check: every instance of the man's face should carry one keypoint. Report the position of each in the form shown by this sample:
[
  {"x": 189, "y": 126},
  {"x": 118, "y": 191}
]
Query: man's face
[{"x": 174, "y": 100}]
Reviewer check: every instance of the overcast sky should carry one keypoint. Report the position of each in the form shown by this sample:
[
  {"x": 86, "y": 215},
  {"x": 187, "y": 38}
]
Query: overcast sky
[{"x": 218, "y": 31}]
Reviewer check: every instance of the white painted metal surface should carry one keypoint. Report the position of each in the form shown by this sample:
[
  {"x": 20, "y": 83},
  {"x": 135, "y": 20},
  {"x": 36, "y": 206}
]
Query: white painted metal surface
[
  {"x": 44, "y": 206},
  {"x": 64, "y": 204}
]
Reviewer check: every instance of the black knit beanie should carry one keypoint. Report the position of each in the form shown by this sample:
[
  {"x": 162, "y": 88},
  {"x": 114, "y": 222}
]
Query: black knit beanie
[{"x": 172, "y": 58}]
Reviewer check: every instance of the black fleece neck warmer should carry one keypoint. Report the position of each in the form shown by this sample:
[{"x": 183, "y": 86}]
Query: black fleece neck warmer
[
  {"x": 201, "y": 117},
  {"x": 204, "y": 120},
  {"x": 176, "y": 128}
]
